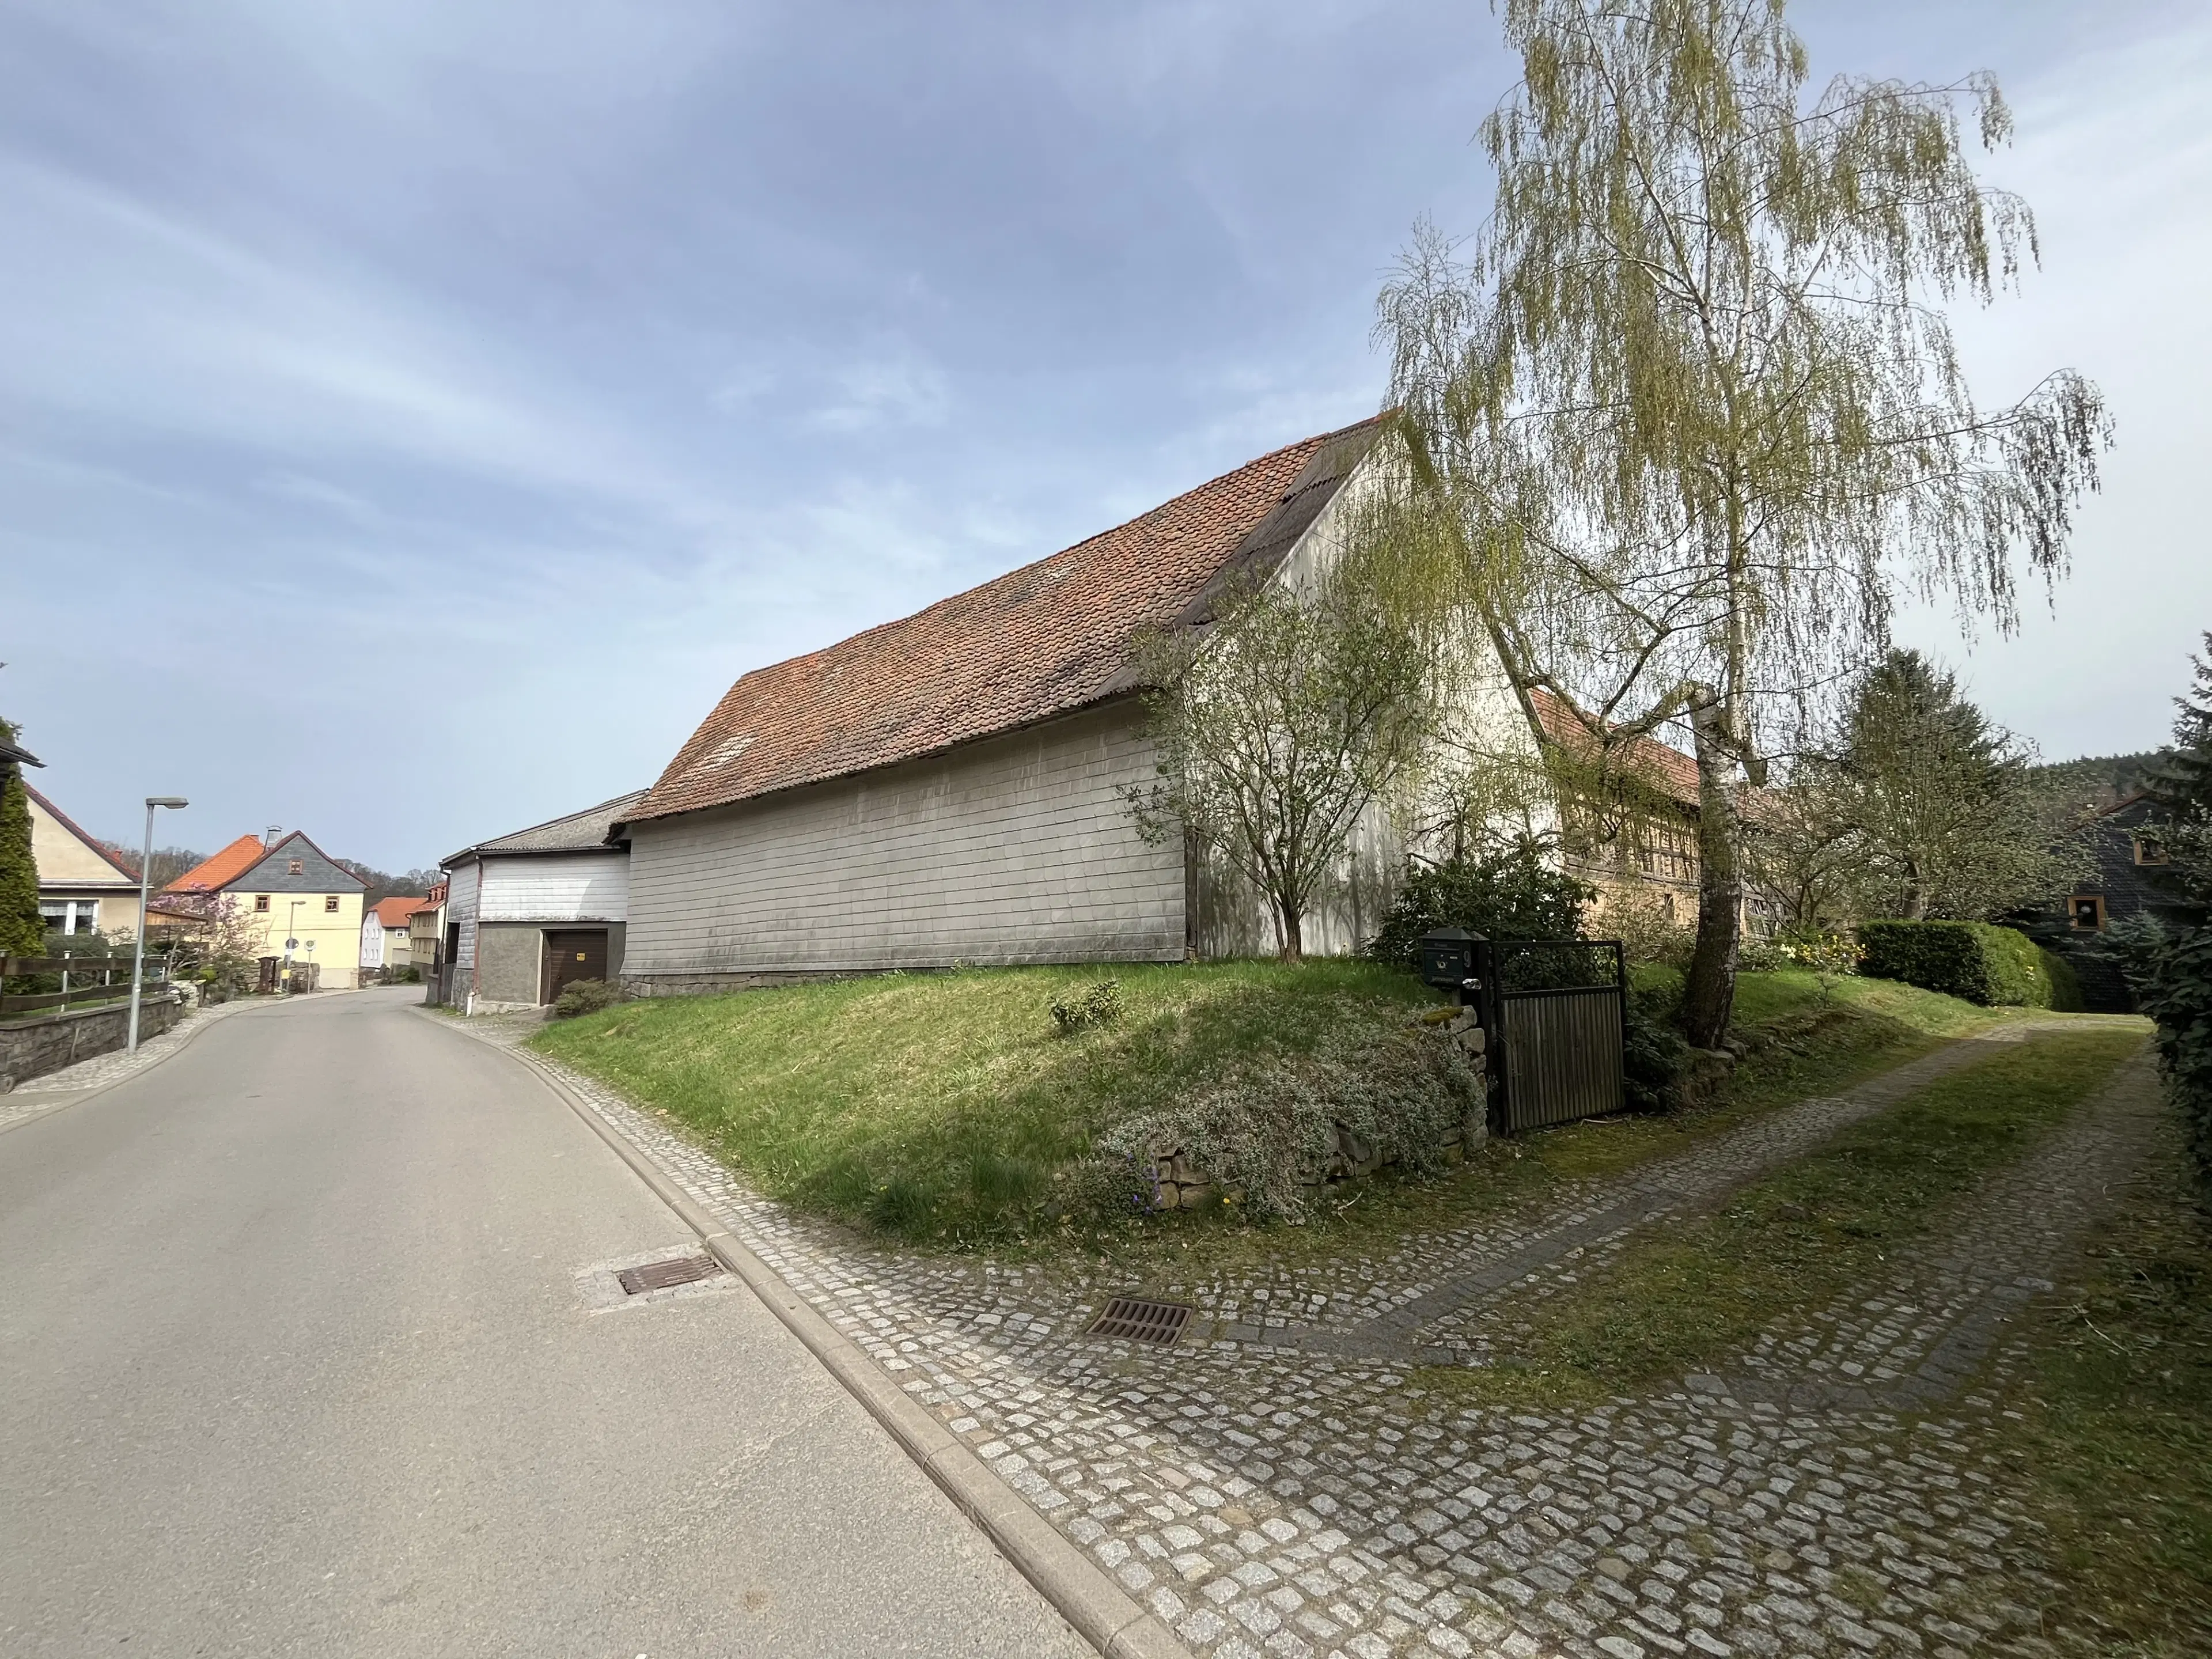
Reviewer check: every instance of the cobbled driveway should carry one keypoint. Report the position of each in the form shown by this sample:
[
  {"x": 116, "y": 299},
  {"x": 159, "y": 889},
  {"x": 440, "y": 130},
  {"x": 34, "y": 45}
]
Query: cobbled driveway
[{"x": 1287, "y": 1487}]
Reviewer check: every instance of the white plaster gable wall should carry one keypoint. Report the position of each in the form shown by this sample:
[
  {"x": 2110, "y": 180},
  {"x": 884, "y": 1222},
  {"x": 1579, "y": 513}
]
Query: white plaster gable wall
[
  {"x": 555, "y": 887},
  {"x": 372, "y": 941}
]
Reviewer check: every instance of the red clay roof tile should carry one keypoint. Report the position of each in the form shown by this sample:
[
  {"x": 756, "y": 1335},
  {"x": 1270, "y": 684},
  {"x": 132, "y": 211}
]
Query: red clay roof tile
[{"x": 1044, "y": 639}]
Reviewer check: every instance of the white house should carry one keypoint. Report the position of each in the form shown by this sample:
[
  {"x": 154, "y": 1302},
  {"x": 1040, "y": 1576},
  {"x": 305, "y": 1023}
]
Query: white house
[{"x": 384, "y": 943}]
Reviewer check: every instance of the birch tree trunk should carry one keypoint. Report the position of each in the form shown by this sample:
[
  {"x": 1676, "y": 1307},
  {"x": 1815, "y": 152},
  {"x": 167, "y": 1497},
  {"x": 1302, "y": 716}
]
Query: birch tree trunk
[{"x": 1709, "y": 998}]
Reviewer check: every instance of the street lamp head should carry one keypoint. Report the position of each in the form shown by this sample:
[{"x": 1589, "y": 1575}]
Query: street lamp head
[{"x": 168, "y": 800}]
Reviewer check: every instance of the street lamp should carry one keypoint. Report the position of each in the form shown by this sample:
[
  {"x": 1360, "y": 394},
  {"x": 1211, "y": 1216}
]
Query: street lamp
[{"x": 177, "y": 804}]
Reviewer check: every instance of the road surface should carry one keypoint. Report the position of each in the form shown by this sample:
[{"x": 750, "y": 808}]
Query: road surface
[{"x": 296, "y": 1359}]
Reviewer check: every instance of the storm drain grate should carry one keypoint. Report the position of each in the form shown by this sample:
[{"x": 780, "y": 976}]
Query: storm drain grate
[
  {"x": 666, "y": 1275},
  {"x": 1135, "y": 1320}
]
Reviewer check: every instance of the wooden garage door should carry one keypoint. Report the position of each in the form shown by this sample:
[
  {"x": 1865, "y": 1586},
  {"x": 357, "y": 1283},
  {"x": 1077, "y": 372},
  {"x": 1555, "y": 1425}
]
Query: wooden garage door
[{"x": 579, "y": 953}]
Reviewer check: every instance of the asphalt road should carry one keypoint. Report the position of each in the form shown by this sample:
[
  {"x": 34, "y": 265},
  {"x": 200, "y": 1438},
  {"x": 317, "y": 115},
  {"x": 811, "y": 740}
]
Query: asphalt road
[{"x": 294, "y": 1359}]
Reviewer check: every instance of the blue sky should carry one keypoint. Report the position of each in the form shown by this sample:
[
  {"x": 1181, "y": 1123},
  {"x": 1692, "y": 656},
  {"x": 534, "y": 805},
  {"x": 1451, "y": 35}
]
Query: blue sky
[{"x": 412, "y": 417}]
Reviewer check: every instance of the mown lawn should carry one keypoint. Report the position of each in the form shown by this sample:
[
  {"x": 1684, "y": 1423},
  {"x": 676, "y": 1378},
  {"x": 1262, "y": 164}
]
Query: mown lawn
[
  {"x": 947, "y": 1106},
  {"x": 2114, "y": 1437},
  {"x": 1696, "y": 1294}
]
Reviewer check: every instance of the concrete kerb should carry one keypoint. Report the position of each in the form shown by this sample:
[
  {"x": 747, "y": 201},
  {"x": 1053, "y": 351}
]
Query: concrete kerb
[{"x": 1104, "y": 1614}]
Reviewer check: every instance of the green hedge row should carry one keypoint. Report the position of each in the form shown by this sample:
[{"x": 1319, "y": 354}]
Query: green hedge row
[{"x": 1969, "y": 959}]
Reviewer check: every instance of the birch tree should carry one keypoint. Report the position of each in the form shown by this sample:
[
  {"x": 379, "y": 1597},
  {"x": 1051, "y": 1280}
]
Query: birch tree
[
  {"x": 1685, "y": 415},
  {"x": 1276, "y": 725}
]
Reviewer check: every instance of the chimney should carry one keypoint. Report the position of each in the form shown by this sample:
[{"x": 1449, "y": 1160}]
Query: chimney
[{"x": 269, "y": 837}]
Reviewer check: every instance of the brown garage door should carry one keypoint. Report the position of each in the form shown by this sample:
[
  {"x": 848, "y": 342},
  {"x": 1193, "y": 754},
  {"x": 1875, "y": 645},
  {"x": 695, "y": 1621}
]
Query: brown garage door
[{"x": 580, "y": 953}]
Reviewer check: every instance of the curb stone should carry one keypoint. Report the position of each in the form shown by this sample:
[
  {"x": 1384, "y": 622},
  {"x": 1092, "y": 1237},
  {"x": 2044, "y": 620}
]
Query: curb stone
[{"x": 1101, "y": 1612}]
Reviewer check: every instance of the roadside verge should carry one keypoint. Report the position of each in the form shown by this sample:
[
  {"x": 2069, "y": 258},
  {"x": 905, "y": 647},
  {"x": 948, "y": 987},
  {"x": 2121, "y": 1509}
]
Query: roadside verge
[{"x": 1099, "y": 1609}]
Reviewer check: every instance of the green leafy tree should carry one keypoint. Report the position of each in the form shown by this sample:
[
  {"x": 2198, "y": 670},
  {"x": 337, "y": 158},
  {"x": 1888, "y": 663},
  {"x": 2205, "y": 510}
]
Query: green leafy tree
[
  {"x": 22, "y": 933},
  {"x": 1277, "y": 724},
  {"x": 1943, "y": 810},
  {"x": 1686, "y": 413}
]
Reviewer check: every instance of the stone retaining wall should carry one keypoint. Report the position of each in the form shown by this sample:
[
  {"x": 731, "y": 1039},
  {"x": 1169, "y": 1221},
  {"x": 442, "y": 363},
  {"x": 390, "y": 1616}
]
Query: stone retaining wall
[
  {"x": 1180, "y": 1184},
  {"x": 31, "y": 1048}
]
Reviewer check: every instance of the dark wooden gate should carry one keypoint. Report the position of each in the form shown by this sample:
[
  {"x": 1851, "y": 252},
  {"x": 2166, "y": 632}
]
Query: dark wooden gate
[
  {"x": 575, "y": 954},
  {"x": 1556, "y": 1009}
]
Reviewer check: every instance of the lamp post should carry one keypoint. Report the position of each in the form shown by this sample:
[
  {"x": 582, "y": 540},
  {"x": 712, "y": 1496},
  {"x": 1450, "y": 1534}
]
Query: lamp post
[{"x": 177, "y": 804}]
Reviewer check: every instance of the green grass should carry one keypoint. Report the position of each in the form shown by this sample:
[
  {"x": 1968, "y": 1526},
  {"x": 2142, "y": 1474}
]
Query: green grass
[
  {"x": 944, "y": 1109},
  {"x": 2114, "y": 1441},
  {"x": 1693, "y": 1296},
  {"x": 946, "y": 1106}
]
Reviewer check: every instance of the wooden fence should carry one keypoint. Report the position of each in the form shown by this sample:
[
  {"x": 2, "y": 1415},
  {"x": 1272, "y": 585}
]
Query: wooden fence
[{"x": 84, "y": 980}]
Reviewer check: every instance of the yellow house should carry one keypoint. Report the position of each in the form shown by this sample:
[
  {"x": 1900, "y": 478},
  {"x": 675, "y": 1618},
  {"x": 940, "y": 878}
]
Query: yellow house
[
  {"x": 82, "y": 889},
  {"x": 300, "y": 903}
]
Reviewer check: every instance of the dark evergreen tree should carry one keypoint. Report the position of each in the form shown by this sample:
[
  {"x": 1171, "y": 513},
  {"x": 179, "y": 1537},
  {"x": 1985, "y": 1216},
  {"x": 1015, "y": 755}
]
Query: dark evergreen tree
[{"x": 21, "y": 932}]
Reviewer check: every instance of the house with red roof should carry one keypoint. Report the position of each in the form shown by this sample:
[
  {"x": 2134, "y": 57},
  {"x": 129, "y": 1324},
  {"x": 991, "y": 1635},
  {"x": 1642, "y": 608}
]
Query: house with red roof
[
  {"x": 384, "y": 936},
  {"x": 302, "y": 905}
]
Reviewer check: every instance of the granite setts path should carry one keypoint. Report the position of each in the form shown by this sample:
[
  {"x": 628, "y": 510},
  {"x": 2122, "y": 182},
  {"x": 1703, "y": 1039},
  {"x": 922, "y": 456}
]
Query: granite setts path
[{"x": 1278, "y": 1483}]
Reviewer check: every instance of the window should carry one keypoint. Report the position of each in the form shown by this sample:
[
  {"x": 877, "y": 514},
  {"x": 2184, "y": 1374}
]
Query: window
[
  {"x": 2149, "y": 850},
  {"x": 2089, "y": 913},
  {"x": 296, "y": 866},
  {"x": 70, "y": 915},
  {"x": 330, "y": 901},
  {"x": 261, "y": 901}
]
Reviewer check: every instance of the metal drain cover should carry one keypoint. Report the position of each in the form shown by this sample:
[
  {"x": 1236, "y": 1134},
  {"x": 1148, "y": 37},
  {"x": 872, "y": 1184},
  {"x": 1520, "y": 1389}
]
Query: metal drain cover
[
  {"x": 666, "y": 1275},
  {"x": 1133, "y": 1319}
]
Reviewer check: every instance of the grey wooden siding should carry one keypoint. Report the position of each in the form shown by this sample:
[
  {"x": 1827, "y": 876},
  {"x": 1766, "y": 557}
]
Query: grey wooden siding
[{"x": 1016, "y": 849}]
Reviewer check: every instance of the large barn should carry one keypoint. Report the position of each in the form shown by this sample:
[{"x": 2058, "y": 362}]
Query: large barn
[{"x": 947, "y": 789}]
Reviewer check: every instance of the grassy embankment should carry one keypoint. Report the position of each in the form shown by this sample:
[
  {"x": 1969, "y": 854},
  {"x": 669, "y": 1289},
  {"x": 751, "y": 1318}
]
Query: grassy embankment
[
  {"x": 1697, "y": 1294},
  {"x": 945, "y": 1107}
]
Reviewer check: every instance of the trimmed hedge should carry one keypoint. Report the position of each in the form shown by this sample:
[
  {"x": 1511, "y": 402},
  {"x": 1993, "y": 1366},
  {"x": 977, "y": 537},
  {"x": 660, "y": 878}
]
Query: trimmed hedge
[{"x": 1971, "y": 960}]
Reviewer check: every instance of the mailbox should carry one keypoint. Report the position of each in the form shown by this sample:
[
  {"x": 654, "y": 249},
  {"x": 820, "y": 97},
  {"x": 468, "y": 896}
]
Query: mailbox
[{"x": 1448, "y": 959}]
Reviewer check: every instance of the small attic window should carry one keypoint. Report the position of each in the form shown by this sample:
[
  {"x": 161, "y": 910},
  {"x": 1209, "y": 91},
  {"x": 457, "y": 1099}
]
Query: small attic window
[
  {"x": 330, "y": 901},
  {"x": 296, "y": 866},
  {"x": 2149, "y": 850},
  {"x": 2088, "y": 911}
]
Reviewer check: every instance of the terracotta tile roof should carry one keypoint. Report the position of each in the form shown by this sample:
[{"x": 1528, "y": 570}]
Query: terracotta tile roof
[
  {"x": 1044, "y": 639},
  {"x": 394, "y": 912},
  {"x": 1660, "y": 765},
  {"x": 218, "y": 871}
]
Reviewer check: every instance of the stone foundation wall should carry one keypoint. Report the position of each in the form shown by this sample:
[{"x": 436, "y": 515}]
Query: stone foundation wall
[
  {"x": 31, "y": 1048},
  {"x": 1180, "y": 1184}
]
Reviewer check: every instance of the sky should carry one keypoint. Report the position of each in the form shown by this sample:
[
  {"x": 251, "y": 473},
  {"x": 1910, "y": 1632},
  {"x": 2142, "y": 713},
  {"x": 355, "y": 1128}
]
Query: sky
[{"x": 414, "y": 416}]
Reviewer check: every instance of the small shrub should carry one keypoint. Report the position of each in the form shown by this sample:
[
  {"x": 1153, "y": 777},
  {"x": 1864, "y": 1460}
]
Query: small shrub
[
  {"x": 1099, "y": 1006},
  {"x": 1971, "y": 960},
  {"x": 1273, "y": 1132},
  {"x": 2065, "y": 984},
  {"x": 584, "y": 996},
  {"x": 1509, "y": 892}
]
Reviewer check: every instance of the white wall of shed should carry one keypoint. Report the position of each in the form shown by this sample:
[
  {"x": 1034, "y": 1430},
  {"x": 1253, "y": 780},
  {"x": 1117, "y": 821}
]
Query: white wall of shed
[{"x": 554, "y": 887}]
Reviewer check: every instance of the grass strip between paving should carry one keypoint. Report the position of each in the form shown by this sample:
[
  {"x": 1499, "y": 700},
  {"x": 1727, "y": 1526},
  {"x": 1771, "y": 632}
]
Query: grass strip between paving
[
  {"x": 1700, "y": 1293},
  {"x": 2113, "y": 1441}
]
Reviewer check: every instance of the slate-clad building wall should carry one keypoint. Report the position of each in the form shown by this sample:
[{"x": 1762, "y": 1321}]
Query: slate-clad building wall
[{"x": 1016, "y": 848}]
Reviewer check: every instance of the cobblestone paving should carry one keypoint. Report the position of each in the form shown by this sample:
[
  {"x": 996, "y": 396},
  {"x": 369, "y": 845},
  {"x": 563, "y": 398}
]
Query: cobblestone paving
[
  {"x": 41, "y": 1093},
  {"x": 1270, "y": 1500}
]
